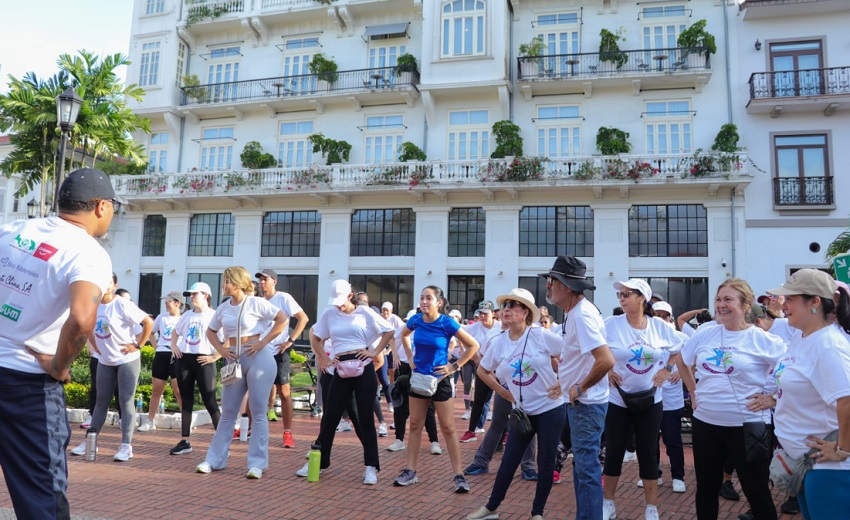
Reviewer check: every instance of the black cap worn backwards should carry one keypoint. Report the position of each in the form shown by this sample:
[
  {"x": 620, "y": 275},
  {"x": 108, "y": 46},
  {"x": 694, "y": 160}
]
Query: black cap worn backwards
[{"x": 87, "y": 184}]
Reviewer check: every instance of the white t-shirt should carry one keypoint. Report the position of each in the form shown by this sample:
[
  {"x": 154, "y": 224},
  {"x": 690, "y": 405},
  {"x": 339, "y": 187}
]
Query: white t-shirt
[
  {"x": 191, "y": 329},
  {"x": 639, "y": 354},
  {"x": 163, "y": 326},
  {"x": 582, "y": 332},
  {"x": 782, "y": 329},
  {"x": 812, "y": 376},
  {"x": 350, "y": 332},
  {"x": 255, "y": 317},
  {"x": 402, "y": 354},
  {"x": 482, "y": 334},
  {"x": 39, "y": 260},
  {"x": 688, "y": 330},
  {"x": 731, "y": 366},
  {"x": 286, "y": 303},
  {"x": 113, "y": 330},
  {"x": 529, "y": 374}
]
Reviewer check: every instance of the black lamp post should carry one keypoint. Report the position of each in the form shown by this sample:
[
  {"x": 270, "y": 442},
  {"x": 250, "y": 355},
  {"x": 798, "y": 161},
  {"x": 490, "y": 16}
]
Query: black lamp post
[
  {"x": 32, "y": 209},
  {"x": 68, "y": 106}
]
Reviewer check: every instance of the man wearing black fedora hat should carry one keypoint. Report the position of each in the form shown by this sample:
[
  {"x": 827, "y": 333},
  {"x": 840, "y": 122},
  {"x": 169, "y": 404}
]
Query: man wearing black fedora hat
[{"x": 583, "y": 373}]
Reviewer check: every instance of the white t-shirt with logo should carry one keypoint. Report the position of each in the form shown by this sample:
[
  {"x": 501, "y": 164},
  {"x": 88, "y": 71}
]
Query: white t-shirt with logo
[
  {"x": 525, "y": 367},
  {"x": 114, "y": 328},
  {"x": 482, "y": 334},
  {"x": 191, "y": 329},
  {"x": 350, "y": 332},
  {"x": 39, "y": 260},
  {"x": 582, "y": 332},
  {"x": 255, "y": 317},
  {"x": 639, "y": 354},
  {"x": 731, "y": 366},
  {"x": 812, "y": 376},
  {"x": 286, "y": 303},
  {"x": 163, "y": 325}
]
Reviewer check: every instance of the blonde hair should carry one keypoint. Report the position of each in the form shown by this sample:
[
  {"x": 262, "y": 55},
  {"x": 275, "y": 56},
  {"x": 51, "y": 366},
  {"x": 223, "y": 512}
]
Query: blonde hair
[
  {"x": 240, "y": 277},
  {"x": 747, "y": 296}
]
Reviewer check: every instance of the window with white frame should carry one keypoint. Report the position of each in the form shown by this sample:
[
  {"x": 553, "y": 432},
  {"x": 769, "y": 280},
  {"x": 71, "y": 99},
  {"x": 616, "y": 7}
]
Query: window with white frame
[
  {"x": 217, "y": 148},
  {"x": 662, "y": 25},
  {"x": 149, "y": 64},
  {"x": 297, "y": 53},
  {"x": 385, "y": 56},
  {"x": 469, "y": 135},
  {"x": 558, "y": 131},
  {"x": 223, "y": 73},
  {"x": 669, "y": 127},
  {"x": 293, "y": 148},
  {"x": 464, "y": 24},
  {"x": 561, "y": 34},
  {"x": 181, "y": 64},
  {"x": 158, "y": 152},
  {"x": 382, "y": 138},
  {"x": 154, "y": 7}
]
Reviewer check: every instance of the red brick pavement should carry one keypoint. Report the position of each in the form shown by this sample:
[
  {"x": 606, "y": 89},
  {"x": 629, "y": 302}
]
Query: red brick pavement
[{"x": 156, "y": 485}]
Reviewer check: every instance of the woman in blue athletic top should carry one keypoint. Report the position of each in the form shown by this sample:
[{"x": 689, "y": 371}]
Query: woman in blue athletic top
[{"x": 434, "y": 330}]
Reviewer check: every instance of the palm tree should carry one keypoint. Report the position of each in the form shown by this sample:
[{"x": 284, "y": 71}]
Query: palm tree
[{"x": 838, "y": 247}]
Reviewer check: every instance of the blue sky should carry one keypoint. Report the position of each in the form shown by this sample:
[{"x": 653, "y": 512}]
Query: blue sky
[{"x": 33, "y": 33}]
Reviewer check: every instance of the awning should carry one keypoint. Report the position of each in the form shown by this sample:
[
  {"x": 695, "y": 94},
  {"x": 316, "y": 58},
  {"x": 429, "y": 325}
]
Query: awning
[{"x": 391, "y": 30}]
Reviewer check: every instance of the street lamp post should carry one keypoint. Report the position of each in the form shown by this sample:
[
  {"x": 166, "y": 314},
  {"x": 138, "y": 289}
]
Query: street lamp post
[
  {"x": 68, "y": 106},
  {"x": 32, "y": 209}
]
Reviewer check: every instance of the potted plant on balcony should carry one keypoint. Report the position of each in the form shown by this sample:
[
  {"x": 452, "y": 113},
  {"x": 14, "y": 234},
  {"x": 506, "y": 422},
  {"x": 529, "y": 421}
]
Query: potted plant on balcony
[
  {"x": 695, "y": 37},
  {"x": 254, "y": 158},
  {"x": 612, "y": 141},
  {"x": 335, "y": 151},
  {"x": 529, "y": 67},
  {"x": 192, "y": 88},
  {"x": 508, "y": 140},
  {"x": 609, "y": 49},
  {"x": 410, "y": 152},
  {"x": 324, "y": 68},
  {"x": 404, "y": 66},
  {"x": 726, "y": 148}
]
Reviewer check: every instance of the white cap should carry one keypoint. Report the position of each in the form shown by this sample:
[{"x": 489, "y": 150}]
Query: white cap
[
  {"x": 387, "y": 305},
  {"x": 200, "y": 287},
  {"x": 454, "y": 313},
  {"x": 662, "y": 306},
  {"x": 340, "y": 290},
  {"x": 638, "y": 285},
  {"x": 410, "y": 314}
]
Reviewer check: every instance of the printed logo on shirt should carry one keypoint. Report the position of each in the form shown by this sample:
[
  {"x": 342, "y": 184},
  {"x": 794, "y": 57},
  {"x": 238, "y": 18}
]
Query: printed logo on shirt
[
  {"x": 24, "y": 244},
  {"x": 9, "y": 312},
  {"x": 780, "y": 371},
  {"x": 166, "y": 334},
  {"x": 193, "y": 336},
  {"x": 722, "y": 360},
  {"x": 44, "y": 251},
  {"x": 101, "y": 329},
  {"x": 642, "y": 358},
  {"x": 523, "y": 374}
]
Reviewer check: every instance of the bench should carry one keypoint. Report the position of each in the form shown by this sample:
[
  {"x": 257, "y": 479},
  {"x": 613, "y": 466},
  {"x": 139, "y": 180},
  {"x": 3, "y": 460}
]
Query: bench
[{"x": 310, "y": 389}]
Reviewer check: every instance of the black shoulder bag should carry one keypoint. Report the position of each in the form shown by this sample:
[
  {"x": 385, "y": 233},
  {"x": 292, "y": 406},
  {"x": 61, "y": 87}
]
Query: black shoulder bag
[
  {"x": 518, "y": 420},
  {"x": 758, "y": 435}
]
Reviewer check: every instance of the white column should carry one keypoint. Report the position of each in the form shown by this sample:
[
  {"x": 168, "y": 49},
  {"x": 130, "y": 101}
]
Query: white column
[
  {"x": 247, "y": 236},
  {"x": 174, "y": 270},
  {"x": 501, "y": 270},
  {"x": 610, "y": 261},
  {"x": 432, "y": 248},
  {"x": 335, "y": 250}
]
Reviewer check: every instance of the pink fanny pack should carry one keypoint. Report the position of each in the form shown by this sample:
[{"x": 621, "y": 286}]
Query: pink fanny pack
[{"x": 350, "y": 367}]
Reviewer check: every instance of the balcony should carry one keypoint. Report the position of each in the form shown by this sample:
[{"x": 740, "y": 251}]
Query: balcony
[
  {"x": 616, "y": 175},
  {"x": 803, "y": 192},
  {"x": 811, "y": 90},
  {"x": 302, "y": 92},
  {"x": 580, "y": 73},
  {"x": 201, "y": 10},
  {"x": 758, "y": 9}
]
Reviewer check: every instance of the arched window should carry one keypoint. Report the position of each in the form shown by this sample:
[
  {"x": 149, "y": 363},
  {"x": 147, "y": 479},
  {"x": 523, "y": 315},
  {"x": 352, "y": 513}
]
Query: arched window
[{"x": 463, "y": 28}]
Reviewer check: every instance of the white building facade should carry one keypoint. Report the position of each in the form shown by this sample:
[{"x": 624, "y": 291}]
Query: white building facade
[{"x": 475, "y": 227}]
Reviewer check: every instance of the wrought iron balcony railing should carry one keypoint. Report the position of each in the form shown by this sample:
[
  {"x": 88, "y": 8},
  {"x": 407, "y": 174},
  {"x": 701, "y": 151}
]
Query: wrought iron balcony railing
[
  {"x": 591, "y": 64},
  {"x": 380, "y": 79},
  {"x": 802, "y": 191},
  {"x": 804, "y": 82}
]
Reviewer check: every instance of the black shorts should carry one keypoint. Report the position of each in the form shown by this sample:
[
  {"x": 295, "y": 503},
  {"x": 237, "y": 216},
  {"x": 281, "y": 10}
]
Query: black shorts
[
  {"x": 284, "y": 362},
  {"x": 443, "y": 393},
  {"x": 162, "y": 367}
]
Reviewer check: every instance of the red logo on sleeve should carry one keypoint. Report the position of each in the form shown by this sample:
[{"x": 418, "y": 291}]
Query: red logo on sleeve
[{"x": 44, "y": 251}]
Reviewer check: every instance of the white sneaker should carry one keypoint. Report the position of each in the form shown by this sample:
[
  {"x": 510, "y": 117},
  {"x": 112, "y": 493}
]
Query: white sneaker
[
  {"x": 86, "y": 423},
  {"x": 390, "y": 408},
  {"x": 79, "y": 450},
  {"x": 344, "y": 426},
  {"x": 254, "y": 474},
  {"x": 370, "y": 476},
  {"x": 398, "y": 445},
  {"x": 640, "y": 482},
  {"x": 147, "y": 425},
  {"x": 490, "y": 415},
  {"x": 303, "y": 471},
  {"x": 203, "y": 467},
  {"x": 630, "y": 456},
  {"x": 466, "y": 415},
  {"x": 479, "y": 430},
  {"x": 125, "y": 453},
  {"x": 609, "y": 512},
  {"x": 382, "y": 429},
  {"x": 678, "y": 486},
  {"x": 651, "y": 513},
  {"x": 435, "y": 449}
]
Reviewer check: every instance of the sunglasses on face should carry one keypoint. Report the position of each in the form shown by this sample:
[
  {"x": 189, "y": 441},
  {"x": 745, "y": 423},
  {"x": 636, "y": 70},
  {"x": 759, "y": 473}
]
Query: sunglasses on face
[
  {"x": 625, "y": 294},
  {"x": 510, "y": 304}
]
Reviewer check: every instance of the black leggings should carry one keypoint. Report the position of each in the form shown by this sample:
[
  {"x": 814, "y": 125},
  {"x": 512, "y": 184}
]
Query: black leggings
[
  {"x": 189, "y": 372},
  {"x": 482, "y": 395},
  {"x": 401, "y": 413},
  {"x": 646, "y": 425},
  {"x": 337, "y": 398}
]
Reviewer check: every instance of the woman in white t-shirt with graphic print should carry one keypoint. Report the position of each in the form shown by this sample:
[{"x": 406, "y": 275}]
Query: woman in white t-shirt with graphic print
[
  {"x": 119, "y": 363},
  {"x": 249, "y": 316},
  {"x": 163, "y": 366},
  {"x": 813, "y": 397},
  {"x": 522, "y": 358},
  {"x": 640, "y": 345},
  {"x": 733, "y": 361}
]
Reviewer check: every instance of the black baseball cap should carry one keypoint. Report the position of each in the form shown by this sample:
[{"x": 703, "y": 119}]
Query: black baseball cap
[
  {"x": 270, "y": 273},
  {"x": 87, "y": 184}
]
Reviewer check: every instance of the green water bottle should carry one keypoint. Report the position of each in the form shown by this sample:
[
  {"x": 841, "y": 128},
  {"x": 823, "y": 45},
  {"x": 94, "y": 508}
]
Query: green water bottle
[{"x": 314, "y": 462}]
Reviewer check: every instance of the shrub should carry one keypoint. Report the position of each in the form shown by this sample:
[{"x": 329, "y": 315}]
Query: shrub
[
  {"x": 335, "y": 151},
  {"x": 410, "y": 152},
  {"x": 76, "y": 395},
  {"x": 508, "y": 140},
  {"x": 254, "y": 158},
  {"x": 612, "y": 141},
  {"x": 148, "y": 353}
]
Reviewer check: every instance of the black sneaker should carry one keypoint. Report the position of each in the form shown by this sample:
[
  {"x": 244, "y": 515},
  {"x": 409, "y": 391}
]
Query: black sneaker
[
  {"x": 461, "y": 485},
  {"x": 727, "y": 491},
  {"x": 790, "y": 506},
  {"x": 746, "y": 516},
  {"x": 182, "y": 448}
]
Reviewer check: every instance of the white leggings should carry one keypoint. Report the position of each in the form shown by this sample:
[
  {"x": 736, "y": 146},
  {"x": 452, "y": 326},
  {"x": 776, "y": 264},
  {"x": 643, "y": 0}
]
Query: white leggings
[{"x": 258, "y": 373}]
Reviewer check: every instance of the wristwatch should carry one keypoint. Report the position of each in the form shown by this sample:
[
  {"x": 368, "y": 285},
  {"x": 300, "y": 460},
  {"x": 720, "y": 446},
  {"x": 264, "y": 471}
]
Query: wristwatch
[
  {"x": 456, "y": 366},
  {"x": 669, "y": 367}
]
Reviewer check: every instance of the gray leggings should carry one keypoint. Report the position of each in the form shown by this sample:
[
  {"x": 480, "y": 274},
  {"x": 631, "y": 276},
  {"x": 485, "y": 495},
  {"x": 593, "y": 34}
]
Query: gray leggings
[{"x": 127, "y": 376}]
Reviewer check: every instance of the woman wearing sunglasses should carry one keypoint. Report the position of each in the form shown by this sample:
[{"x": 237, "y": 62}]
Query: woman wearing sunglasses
[
  {"x": 519, "y": 367},
  {"x": 644, "y": 351}
]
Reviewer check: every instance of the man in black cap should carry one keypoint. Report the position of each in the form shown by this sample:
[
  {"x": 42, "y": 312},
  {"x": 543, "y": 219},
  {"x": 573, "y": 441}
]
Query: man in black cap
[
  {"x": 583, "y": 373},
  {"x": 43, "y": 331}
]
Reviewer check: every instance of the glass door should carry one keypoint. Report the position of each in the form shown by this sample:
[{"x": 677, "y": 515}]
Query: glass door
[{"x": 797, "y": 69}]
